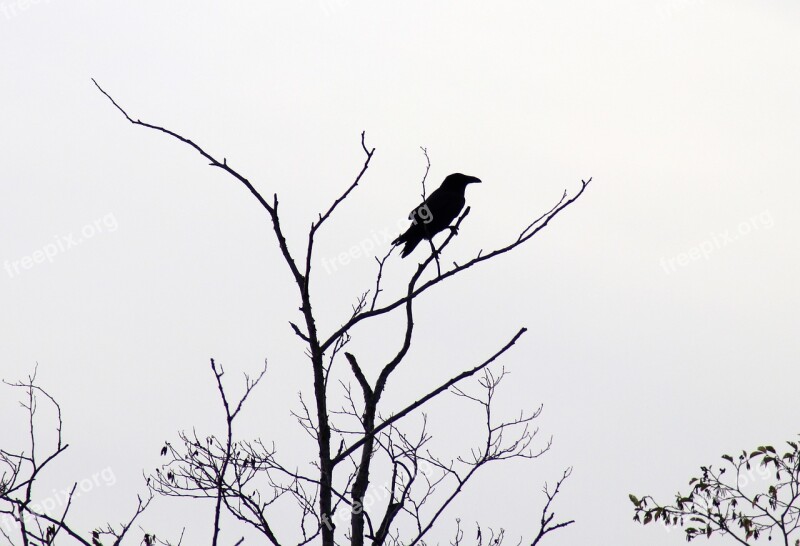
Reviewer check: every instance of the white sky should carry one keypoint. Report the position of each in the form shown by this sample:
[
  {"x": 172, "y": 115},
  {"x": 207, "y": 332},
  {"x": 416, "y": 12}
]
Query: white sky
[{"x": 662, "y": 306}]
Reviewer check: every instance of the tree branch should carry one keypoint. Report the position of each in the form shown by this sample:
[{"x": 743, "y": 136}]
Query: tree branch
[{"x": 408, "y": 409}]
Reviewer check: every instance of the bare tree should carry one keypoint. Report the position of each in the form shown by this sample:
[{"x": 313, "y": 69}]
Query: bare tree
[
  {"x": 32, "y": 523},
  {"x": 723, "y": 500},
  {"x": 246, "y": 479}
]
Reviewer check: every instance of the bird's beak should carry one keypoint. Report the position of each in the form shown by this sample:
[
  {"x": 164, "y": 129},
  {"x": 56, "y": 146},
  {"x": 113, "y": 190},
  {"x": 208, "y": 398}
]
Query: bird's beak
[{"x": 474, "y": 180}]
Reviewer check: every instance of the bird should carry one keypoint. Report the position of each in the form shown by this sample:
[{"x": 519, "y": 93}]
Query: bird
[{"x": 435, "y": 213}]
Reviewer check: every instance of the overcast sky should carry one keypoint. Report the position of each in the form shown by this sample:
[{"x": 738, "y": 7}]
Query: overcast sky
[{"x": 661, "y": 307}]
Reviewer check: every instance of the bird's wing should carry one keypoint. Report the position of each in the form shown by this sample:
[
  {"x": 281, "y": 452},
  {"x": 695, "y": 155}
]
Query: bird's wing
[
  {"x": 437, "y": 198},
  {"x": 444, "y": 207},
  {"x": 432, "y": 200}
]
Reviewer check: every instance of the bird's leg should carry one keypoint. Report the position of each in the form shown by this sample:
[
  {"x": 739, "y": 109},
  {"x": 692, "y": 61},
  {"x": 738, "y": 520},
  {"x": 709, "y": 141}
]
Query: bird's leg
[{"x": 435, "y": 252}]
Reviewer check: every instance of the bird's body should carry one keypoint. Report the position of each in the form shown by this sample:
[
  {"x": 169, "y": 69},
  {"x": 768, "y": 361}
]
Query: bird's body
[{"x": 436, "y": 213}]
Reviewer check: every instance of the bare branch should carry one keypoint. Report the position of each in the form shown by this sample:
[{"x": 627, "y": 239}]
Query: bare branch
[
  {"x": 545, "y": 523},
  {"x": 272, "y": 208}
]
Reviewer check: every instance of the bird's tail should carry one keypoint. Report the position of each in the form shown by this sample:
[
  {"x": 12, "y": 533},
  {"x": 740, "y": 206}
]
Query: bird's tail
[{"x": 410, "y": 244}]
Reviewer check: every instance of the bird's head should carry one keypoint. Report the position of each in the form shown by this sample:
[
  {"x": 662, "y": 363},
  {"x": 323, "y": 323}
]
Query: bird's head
[{"x": 459, "y": 181}]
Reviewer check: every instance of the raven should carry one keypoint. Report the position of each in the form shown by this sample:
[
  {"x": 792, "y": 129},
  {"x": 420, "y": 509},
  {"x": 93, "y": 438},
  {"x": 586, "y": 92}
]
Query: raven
[{"x": 436, "y": 212}]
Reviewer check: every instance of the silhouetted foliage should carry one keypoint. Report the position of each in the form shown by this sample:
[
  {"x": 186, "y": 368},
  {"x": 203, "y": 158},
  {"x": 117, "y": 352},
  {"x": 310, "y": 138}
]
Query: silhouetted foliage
[{"x": 727, "y": 501}]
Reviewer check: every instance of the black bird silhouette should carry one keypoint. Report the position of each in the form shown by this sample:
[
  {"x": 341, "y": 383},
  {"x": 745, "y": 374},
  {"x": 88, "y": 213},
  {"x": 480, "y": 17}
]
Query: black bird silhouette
[{"x": 436, "y": 213}]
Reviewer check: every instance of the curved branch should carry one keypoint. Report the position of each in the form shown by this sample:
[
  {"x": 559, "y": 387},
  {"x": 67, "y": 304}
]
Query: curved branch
[{"x": 526, "y": 234}]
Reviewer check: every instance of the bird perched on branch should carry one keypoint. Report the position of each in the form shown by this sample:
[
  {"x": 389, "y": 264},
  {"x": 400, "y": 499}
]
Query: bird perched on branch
[{"x": 435, "y": 213}]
